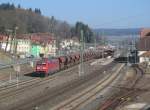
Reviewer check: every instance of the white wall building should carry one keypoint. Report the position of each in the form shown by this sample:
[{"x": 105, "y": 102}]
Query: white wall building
[
  {"x": 23, "y": 46},
  {"x": 66, "y": 43},
  {"x": 3, "y": 46},
  {"x": 141, "y": 58},
  {"x": 145, "y": 57},
  {"x": 49, "y": 49},
  {"x": 52, "y": 49}
]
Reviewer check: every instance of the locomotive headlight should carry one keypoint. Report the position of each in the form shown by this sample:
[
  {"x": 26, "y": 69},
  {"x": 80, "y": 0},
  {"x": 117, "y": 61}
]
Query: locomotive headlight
[
  {"x": 44, "y": 68},
  {"x": 38, "y": 68}
]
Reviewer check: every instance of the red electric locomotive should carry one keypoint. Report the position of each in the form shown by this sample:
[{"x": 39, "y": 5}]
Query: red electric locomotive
[{"x": 47, "y": 66}]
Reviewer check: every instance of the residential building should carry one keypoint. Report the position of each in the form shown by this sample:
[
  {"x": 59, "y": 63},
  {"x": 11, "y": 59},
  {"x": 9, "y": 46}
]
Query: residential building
[
  {"x": 43, "y": 43},
  {"x": 51, "y": 48},
  {"x": 35, "y": 50},
  {"x": 6, "y": 43},
  {"x": 23, "y": 46},
  {"x": 145, "y": 57},
  {"x": 144, "y": 45},
  {"x": 34, "y": 44},
  {"x": 69, "y": 45}
]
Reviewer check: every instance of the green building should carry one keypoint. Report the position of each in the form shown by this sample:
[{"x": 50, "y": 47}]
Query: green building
[{"x": 35, "y": 50}]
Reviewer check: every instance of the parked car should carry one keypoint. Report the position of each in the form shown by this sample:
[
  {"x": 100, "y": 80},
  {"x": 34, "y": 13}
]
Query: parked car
[
  {"x": 47, "y": 66},
  {"x": 29, "y": 56}
]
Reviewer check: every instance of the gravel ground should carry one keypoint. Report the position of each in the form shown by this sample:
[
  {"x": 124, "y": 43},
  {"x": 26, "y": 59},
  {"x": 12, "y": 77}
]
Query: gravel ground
[
  {"x": 142, "y": 100},
  {"x": 125, "y": 78},
  {"x": 8, "y": 76},
  {"x": 4, "y": 59},
  {"x": 100, "y": 98}
]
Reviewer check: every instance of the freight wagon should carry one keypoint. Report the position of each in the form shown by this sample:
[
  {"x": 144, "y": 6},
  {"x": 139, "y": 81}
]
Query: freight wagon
[{"x": 47, "y": 66}]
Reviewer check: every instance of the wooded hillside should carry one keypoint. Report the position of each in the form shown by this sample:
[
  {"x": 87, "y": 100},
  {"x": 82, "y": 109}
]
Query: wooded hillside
[{"x": 32, "y": 21}]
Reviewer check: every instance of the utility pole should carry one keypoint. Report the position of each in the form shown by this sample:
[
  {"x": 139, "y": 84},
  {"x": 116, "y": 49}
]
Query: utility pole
[
  {"x": 15, "y": 40},
  {"x": 103, "y": 43},
  {"x": 9, "y": 32},
  {"x": 134, "y": 48},
  {"x": 95, "y": 41},
  {"x": 81, "y": 68}
]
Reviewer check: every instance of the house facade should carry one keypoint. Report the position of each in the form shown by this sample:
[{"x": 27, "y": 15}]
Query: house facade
[
  {"x": 144, "y": 45},
  {"x": 69, "y": 45},
  {"x": 33, "y": 44},
  {"x": 35, "y": 50},
  {"x": 43, "y": 43},
  {"x": 23, "y": 46}
]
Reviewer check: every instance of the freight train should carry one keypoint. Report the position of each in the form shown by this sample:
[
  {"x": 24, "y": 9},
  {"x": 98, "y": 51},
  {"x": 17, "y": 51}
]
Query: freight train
[{"x": 48, "y": 66}]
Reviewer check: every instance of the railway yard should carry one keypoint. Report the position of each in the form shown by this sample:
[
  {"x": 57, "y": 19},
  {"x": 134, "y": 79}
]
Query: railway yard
[
  {"x": 104, "y": 85},
  {"x": 74, "y": 55}
]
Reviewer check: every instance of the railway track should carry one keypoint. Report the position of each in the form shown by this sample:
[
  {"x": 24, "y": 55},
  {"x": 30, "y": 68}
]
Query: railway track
[
  {"x": 126, "y": 93},
  {"x": 12, "y": 90},
  {"x": 7, "y": 93},
  {"x": 36, "y": 79},
  {"x": 32, "y": 81},
  {"x": 22, "y": 82},
  {"x": 74, "y": 102},
  {"x": 57, "y": 91}
]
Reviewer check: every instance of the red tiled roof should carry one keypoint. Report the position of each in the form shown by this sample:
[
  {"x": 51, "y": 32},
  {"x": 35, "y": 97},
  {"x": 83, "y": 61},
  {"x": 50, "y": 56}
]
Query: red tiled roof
[
  {"x": 38, "y": 37},
  {"x": 145, "y": 32},
  {"x": 3, "y": 37},
  {"x": 35, "y": 37},
  {"x": 146, "y": 54},
  {"x": 144, "y": 44}
]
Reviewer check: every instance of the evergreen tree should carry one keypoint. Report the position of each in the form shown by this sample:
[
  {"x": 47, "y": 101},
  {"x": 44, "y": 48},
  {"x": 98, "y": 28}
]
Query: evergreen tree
[{"x": 19, "y": 6}]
